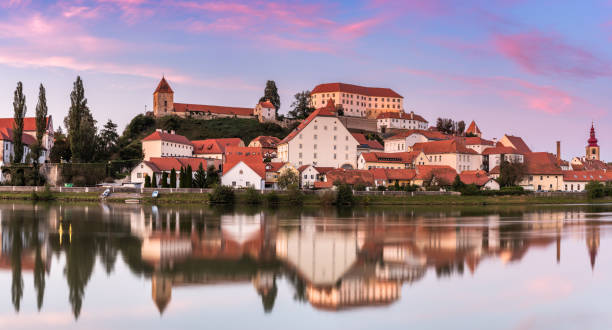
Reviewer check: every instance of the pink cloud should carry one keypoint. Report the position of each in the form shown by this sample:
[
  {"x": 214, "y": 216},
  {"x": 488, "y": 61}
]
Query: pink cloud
[
  {"x": 14, "y": 3},
  {"x": 545, "y": 55}
]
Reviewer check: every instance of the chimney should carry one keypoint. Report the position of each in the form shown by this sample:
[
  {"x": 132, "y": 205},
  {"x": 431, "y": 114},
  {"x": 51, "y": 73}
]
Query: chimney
[
  {"x": 172, "y": 132},
  {"x": 411, "y": 114},
  {"x": 558, "y": 150}
]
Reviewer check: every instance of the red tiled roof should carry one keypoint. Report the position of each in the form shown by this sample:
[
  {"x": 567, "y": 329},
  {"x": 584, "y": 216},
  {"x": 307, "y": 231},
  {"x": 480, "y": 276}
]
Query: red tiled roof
[
  {"x": 214, "y": 146},
  {"x": 351, "y": 177},
  {"x": 431, "y": 135},
  {"x": 364, "y": 142},
  {"x": 258, "y": 166},
  {"x": 266, "y": 141},
  {"x": 323, "y": 170},
  {"x": 477, "y": 141},
  {"x": 327, "y": 111},
  {"x": 390, "y": 157},
  {"x": 29, "y": 123},
  {"x": 213, "y": 109},
  {"x": 442, "y": 147},
  {"x": 518, "y": 143},
  {"x": 591, "y": 165},
  {"x": 302, "y": 168},
  {"x": 233, "y": 152},
  {"x": 163, "y": 87},
  {"x": 501, "y": 150},
  {"x": 541, "y": 163},
  {"x": 478, "y": 177},
  {"x": 323, "y": 184},
  {"x": 582, "y": 176},
  {"x": 195, "y": 163},
  {"x": 495, "y": 170},
  {"x": 7, "y": 135},
  {"x": 274, "y": 166},
  {"x": 165, "y": 163},
  {"x": 354, "y": 89},
  {"x": 473, "y": 129},
  {"x": 444, "y": 173},
  {"x": 167, "y": 137},
  {"x": 267, "y": 104},
  {"x": 402, "y": 115},
  {"x": 400, "y": 174}
]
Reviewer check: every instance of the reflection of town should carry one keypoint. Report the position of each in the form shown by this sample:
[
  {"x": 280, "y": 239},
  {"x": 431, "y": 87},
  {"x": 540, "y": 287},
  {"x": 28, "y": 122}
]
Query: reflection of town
[{"x": 360, "y": 259}]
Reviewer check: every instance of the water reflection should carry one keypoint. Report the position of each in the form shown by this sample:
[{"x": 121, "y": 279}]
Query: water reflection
[{"x": 333, "y": 259}]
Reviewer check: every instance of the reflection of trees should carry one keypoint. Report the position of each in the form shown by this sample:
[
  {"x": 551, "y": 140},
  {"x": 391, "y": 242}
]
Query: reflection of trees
[
  {"x": 268, "y": 298},
  {"x": 39, "y": 267},
  {"x": 80, "y": 259},
  {"x": 16, "y": 236}
]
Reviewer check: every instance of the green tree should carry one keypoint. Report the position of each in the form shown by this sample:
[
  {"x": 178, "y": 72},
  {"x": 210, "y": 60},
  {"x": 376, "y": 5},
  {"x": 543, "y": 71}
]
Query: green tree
[
  {"x": 41, "y": 123},
  {"x": 61, "y": 148},
  {"x": 271, "y": 94},
  {"x": 200, "y": 177},
  {"x": 288, "y": 178},
  {"x": 154, "y": 181},
  {"x": 20, "y": 109},
  {"x": 344, "y": 196},
  {"x": 164, "y": 180},
  {"x": 80, "y": 125},
  {"x": 147, "y": 181},
  {"x": 595, "y": 189},
  {"x": 108, "y": 139},
  {"x": 188, "y": 177},
  {"x": 460, "y": 127},
  {"x": 212, "y": 176},
  {"x": 181, "y": 176},
  {"x": 458, "y": 185},
  {"x": 301, "y": 108},
  {"x": 173, "y": 178},
  {"x": 511, "y": 173}
]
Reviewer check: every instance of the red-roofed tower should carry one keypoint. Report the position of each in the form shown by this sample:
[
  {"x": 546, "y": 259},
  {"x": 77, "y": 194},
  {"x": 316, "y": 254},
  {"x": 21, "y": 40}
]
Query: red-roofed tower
[
  {"x": 163, "y": 99},
  {"x": 592, "y": 149}
]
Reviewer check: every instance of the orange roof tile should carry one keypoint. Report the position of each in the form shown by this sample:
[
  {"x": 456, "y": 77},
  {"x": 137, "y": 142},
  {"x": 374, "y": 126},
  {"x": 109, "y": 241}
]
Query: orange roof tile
[
  {"x": 431, "y": 135},
  {"x": 442, "y": 147},
  {"x": 390, "y": 157},
  {"x": 163, "y": 136},
  {"x": 402, "y": 115},
  {"x": 214, "y": 146},
  {"x": 351, "y": 177},
  {"x": 267, "y": 104},
  {"x": 163, "y": 87},
  {"x": 365, "y": 143},
  {"x": 518, "y": 143},
  {"x": 213, "y": 109},
  {"x": 7, "y": 135},
  {"x": 266, "y": 141},
  {"x": 444, "y": 173},
  {"x": 274, "y": 166},
  {"x": 474, "y": 140},
  {"x": 473, "y": 129},
  {"x": 542, "y": 163},
  {"x": 582, "y": 176},
  {"x": 354, "y": 89},
  {"x": 501, "y": 150},
  {"x": 478, "y": 177},
  {"x": 256, "y": 165},
  {"x": 29, "y": 123},
  {"x": 400, "y": 174}
]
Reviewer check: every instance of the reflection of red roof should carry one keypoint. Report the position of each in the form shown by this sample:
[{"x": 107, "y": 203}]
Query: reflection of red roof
[
  {"x": 213, "y": 109},
  {"x": 518, "y": 143},
  {"x": 478, "y": 177},
  {"x": 266, "y": 141},
  {"x": 401, "y": 115},
  {"x": 500, "y": 150},
  {"x": 442, "y": 147},
  {"x": 542, "y": 163},
  {"x": 473, "y": 129},
  {"x": 390, "y": 157},
  {"x": 163, "y": 87},
  {"x": 354, "y": 89},
  {"x": 430, "y": 135},
  {"x": 167, "y": 137},
  {"x": 327, "y": 111},
  {"x": 585, "y": 176},
  {"x": 364, "y": 142},
  {"x": 214, "y": 146},
  {"x": 29, "y": 123}
]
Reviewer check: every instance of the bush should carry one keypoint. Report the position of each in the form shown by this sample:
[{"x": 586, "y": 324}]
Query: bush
[
  {"x": 222, "y": 195},
  {"x": 79, "y": 181},
  {"x": 295, "y": 196},
  {"x": 381, "y": 188},
  {"x": 46, "y": 195},
  {"x": 595, "y": 190},
  {"x": 272, "y": 198},
  {"x": 360, "y": 187},
  {"x": 511, "y": 190},
  {"x": 253, "y": 196},
  {"x": 328, "y": 198},
  {"x": 411, "y": 188},
  {"x": 470, "y": 190},
  {"x": 344, "y": 196}
]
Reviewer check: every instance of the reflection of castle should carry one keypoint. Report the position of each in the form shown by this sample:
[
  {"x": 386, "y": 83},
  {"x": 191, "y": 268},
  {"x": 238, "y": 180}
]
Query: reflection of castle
[{"x": 337, "y": 264}]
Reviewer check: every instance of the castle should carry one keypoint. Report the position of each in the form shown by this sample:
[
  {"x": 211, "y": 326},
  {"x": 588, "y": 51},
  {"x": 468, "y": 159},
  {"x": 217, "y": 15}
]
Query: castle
[{"x": 164, "y": 105}]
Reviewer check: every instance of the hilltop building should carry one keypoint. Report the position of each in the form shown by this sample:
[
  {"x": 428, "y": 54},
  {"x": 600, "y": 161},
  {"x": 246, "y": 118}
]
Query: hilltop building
[
  {"x": 358, "y": 101},
  {"x": 473, "y": 130},
  {"x": 400, "y": 120},
  {"x": 166, "y": 144},
  {"x": 592, "y": 149}
]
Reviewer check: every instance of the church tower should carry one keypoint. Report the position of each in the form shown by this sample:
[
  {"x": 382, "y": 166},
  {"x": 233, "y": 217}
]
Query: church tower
[
  {"x": 592, "y": 150},
  {"x": 163, "y": 99}
]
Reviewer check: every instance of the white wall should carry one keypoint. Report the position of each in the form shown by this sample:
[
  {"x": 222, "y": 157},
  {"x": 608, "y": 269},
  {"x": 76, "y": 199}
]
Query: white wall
[{"x": 241, "y": 176}]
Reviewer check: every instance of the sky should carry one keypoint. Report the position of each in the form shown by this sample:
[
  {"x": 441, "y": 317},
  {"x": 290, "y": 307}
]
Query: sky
[{"x": 538, "y": 69}]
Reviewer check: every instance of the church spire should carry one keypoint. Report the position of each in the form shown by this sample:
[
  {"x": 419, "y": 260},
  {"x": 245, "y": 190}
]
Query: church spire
[{"x": 592, "y": 139}]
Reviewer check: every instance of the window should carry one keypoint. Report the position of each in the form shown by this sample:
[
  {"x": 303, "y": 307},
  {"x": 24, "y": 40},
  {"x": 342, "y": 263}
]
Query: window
[
  {"x": 139, "y": 175},
  {"x": 314, "y": 155},
  {"x": 315, "y": 126},
  {"x": 315, "y": 136},
  {"x": 240, "y": 172},
  {"x": 334, "y": 156},
  {"x": 234, "y": 183},
  {"x": 300, "y": 155},
  {"x": 248, "y": 183},
  {"x": 346, "y": 138},
  {"x": 315, "y": 146}
]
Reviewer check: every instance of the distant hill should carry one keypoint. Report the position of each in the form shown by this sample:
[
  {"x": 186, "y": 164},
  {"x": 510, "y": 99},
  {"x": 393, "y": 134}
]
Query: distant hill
[{"x": 194, "y": 129}]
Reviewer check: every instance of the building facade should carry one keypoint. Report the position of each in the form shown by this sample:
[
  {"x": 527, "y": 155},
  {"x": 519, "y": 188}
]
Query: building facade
[
  {"x": 358, "y": 101},
  {"x": 400, "y": 120},
  {"x": 403, "y": 142},
  {"x": 166, "y": 144}
]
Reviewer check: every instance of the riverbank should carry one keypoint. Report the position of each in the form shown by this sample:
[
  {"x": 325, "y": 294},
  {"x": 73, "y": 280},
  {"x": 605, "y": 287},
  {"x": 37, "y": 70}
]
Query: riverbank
[{"x": 242, "y": 198}]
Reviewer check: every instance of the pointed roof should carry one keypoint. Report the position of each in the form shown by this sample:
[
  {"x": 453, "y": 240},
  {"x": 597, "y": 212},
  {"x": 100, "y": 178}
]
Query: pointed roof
[
  {"x": 266, "y": 104},
  {"x": 327, "y": 111},
  {"x": 592, "y": 139},
  {"x": 163, "y": 87},
  {"x": 518, "y": 143},
  {"x": 473, "y": 129},
  {"x": 29, "y": 123},
  {"x": 168, "y": 137}
]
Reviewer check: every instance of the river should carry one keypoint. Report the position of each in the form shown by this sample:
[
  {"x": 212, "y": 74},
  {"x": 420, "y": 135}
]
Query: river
[{"x": 120, "y": 266}]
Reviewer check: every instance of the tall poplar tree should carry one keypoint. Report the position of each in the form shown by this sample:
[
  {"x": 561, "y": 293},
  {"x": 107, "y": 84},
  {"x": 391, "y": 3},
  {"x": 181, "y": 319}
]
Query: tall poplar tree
[
  {"x": 80, "y": 125},
  {"x": 271, "y": 94},
  {"x": 41, "y": 122},
  {"x": 20, "y": 109}
]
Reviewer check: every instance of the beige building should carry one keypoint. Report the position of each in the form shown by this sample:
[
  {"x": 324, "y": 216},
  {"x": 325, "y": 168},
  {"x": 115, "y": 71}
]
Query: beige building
[
  {"x": 214, "y": 148},
  {"x": 358, "y": 101},
  {"x": 400, "y": 120},
  {"x": 320, "y": 140},
  {"x": 449, "y": 153},
  {"x": 166, "y": 144},
  {"x": 492, "y": 157},
  {"x": 403, "y": 142},
  {"x": 265, "y": 111},
  {"x": 398, "y": 160},
  {"x": 542, "y": 172}
]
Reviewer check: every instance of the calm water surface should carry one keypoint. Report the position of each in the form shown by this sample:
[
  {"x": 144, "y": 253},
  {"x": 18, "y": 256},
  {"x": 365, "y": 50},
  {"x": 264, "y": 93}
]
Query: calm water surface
[{"x": 132, "y": 266}]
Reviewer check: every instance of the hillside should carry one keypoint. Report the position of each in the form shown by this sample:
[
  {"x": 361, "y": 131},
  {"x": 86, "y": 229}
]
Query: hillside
[{"x": 194, "y": 129}]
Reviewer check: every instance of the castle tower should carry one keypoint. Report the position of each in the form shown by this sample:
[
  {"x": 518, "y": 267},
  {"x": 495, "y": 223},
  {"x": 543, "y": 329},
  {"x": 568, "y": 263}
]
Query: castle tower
[
  {"x": 592, "y": 149},
  {"x": 163, "y": 99}
]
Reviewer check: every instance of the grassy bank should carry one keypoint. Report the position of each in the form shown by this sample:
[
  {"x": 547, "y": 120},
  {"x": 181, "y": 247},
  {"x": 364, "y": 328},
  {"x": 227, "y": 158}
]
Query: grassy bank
[{"x": 325, "y": 199}]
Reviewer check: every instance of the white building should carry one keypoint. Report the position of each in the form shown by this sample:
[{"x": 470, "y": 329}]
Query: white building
[
  {"x": 477, "y": 144},
  {"x": 7, "y": 149},
  {"x": 244, "y": 174},
  {"x": 265, "y": 111},
  {"x": 400, "y": 120},
  {"x": 357, "y": 101},
  {"x": 403, "y": 142},
  {"x": 29, "y": 128},
  {"x": 320, "y": 140},
  {"x": 492, "y": 156},
  {"x": 450, "y": 153},
  {"x": 166, "y": 144},
  {"x": 159, "y": 165}
]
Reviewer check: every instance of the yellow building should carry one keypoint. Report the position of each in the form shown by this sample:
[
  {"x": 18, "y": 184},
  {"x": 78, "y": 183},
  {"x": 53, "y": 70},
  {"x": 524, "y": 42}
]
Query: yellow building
[{"x": 358, "y": 101}]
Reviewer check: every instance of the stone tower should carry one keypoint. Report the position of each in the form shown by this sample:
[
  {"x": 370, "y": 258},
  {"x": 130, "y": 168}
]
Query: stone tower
[
  {"x": 592, "y": 149},
  {"x": 163, "y": 99}
]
